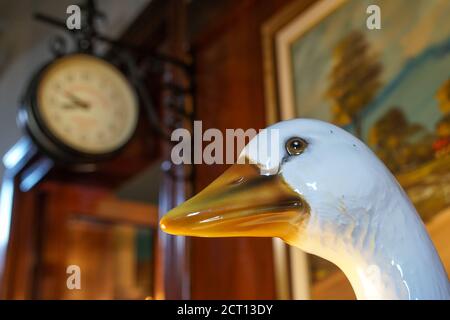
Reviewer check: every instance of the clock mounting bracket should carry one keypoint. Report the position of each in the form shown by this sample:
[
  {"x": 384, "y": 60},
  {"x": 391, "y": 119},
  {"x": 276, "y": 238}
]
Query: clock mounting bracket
[{"x": 86, "y": 40}]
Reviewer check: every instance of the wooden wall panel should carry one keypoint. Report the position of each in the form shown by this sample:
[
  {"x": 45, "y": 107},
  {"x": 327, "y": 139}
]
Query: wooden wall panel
[{"x": 230, "y": 94}]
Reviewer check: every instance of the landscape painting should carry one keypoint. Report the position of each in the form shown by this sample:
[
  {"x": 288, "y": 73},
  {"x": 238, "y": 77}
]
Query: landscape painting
[{"x": 388, "y": 86}]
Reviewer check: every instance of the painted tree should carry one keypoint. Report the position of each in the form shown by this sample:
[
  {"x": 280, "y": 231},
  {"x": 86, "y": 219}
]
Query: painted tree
[
  {"x": 443, "y": 97},
  {"x": 354, "y": 79},
  {"x": 442, "y": 144}
]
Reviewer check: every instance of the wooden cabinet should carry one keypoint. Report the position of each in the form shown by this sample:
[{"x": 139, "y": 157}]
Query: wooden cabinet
[{"x": 59, "y": 225}]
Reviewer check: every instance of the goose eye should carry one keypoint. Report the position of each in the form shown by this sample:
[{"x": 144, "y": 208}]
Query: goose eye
[{"x": 296, "y": 146}]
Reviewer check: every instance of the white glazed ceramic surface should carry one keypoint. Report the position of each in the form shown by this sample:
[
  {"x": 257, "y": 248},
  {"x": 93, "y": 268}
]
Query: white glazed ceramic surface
[{"x": 361, "y": 219}]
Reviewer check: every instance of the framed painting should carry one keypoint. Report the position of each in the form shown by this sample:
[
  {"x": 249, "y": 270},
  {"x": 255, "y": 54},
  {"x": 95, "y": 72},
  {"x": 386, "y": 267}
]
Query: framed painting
[{"x": 390, "y": 87}]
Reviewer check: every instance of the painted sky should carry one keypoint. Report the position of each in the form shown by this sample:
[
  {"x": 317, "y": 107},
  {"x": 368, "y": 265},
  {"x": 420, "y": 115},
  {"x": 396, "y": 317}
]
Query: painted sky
[{"x": 409, "y": 28}]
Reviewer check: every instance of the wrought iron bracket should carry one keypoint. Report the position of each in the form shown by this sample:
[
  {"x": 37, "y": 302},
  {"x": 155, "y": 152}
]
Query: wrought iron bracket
[
  {"x": 85, "y": 40},
  {"x": 85, "y": 37}
]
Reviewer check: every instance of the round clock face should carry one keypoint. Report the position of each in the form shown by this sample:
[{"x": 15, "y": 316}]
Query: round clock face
[{"x": 87, "y": 104}]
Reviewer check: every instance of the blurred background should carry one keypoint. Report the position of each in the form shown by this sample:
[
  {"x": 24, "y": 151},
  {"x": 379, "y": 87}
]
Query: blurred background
[{"x": 231, "y": 64}]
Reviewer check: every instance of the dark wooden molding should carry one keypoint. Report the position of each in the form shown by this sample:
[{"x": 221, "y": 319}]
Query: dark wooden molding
[{"x": 230, "y": 95}]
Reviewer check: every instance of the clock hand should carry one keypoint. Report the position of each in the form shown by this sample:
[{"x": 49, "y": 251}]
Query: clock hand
[
  {"x": 77, "y": 101},
  {"x": 69, "y": 105}
]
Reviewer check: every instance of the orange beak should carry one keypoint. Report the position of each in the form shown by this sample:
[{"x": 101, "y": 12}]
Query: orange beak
[{"x": 240, "y": 203}]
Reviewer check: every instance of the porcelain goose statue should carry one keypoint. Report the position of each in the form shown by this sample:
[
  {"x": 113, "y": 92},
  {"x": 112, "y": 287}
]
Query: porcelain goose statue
[{"x": 328, "y": 195}]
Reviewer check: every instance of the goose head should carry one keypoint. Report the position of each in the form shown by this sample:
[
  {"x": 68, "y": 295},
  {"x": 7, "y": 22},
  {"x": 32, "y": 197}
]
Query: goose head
[
  {"x": 297, "y": 192},
  {"x": 319, "y": 188}
]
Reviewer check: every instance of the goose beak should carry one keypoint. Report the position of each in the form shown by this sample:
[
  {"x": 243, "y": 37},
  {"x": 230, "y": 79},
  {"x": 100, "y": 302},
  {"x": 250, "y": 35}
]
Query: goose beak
[{"x": 240, "y": 203}]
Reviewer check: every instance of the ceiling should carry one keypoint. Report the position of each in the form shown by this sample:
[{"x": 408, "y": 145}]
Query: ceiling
[{"x": 19, "y": 32}]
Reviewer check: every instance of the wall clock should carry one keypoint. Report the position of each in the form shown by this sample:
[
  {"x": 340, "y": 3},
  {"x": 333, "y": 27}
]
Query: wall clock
[{"x": 80, "y": 108}]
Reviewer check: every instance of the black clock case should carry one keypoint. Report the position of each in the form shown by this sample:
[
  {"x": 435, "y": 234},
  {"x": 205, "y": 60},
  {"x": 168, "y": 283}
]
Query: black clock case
[{"x": 31, "y": 121}]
